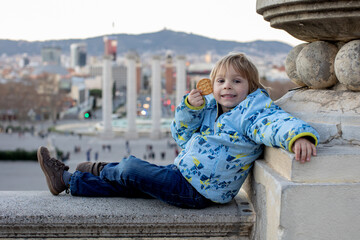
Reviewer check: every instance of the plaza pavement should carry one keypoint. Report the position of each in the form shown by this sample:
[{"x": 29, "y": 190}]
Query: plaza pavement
[{"x": 27, "y": 176}]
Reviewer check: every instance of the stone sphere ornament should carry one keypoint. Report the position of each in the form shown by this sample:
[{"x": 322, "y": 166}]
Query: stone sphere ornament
[
  {"x": 315, "y": 65},
  {"x": 347, "y": 65},
  {"x": 290, "y": 64}
]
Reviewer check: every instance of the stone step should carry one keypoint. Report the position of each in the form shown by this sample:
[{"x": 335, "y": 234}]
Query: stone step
[
  {"x": 290, "y": 210},
  {"x": 38, "y": 214},
  {"x": 340, "y": 163}
]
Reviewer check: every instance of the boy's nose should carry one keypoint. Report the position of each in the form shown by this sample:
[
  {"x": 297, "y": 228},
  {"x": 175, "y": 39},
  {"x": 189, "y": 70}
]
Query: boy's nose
[{"x": 227, "y": 84}]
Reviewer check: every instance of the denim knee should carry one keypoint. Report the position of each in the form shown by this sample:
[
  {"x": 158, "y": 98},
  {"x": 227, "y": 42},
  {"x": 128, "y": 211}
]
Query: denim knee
[
  {"x": 129, "y": 167},
  {"x": 121, "y": 170}
]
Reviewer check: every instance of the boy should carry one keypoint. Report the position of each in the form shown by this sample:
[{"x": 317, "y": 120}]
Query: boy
[{"x": 221, "y": 136}]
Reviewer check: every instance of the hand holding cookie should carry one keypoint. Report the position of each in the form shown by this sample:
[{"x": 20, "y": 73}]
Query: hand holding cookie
[
  {"x": 195, "y": 98},
  {"x": 205, "y": 86}
]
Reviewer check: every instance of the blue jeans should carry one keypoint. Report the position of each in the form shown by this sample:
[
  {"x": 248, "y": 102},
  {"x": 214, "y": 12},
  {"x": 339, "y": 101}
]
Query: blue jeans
[{"x": 135, "y": 178}]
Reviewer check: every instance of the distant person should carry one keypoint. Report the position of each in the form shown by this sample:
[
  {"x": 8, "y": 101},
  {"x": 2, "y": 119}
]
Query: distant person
[
  {"x": 96, "y": 156},
  {"x": 77, "y": 149},
  {"x": 127, "y": 146},
  {"x": 221, "y": 136},
  {"x": 88, "y": 155},
  {"x": 151, "y": 153}
]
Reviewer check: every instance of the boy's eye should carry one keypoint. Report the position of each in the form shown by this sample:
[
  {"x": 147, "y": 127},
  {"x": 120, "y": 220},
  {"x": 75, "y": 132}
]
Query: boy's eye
[
  {"x": 237, "y": 80},
  {"x": 220, "y": 80}
]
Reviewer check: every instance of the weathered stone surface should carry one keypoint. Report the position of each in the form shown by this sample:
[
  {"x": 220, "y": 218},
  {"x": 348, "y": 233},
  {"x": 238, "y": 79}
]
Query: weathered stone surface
[
  {"x": 30, "y": 214},
  {"x": 334, "y": 114},
  {"x": 315, "y": 65},
  {"x": 321, "y": 167},
  {"x": 290, "y": 64},
  {"x": 347, "y": 65},
  {"x": 313, "y": 20},
  {"x": 288, "y": 210}
]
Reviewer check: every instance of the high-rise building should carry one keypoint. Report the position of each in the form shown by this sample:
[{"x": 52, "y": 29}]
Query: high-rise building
[
  {"x": 78, "y": 54},
  {"x": 51, "y": 55},
  {"x": 110, "y": 47}
]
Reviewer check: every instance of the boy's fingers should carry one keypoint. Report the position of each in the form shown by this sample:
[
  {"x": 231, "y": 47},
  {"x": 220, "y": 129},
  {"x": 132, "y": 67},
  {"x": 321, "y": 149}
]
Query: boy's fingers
[
  {"x": 304, "y": 151},
  {"x": 314, "y": 149},
  {"x": 297, "y": 152},
  {"x": 196, "y": 91},
  {"x": 311, "y": 152},
  {"x": 303, "y": 154}
]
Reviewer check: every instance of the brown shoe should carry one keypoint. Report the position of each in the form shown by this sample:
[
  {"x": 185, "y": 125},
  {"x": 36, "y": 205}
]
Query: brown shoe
[
  {"x": 53, "y": 170},
  {"x": 91, "y": 167}
]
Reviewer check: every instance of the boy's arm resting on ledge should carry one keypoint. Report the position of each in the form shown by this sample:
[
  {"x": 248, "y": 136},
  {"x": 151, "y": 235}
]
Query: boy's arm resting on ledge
[{"x": 272, "y": 126}]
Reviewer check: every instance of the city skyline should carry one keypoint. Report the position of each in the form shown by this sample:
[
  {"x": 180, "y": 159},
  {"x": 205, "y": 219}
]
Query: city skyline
[{"x": 232, "y": 20}]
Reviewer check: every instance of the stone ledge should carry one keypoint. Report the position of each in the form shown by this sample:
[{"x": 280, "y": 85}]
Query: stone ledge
[
  {"x": 289, "y": 210},
  {"x": 332, "y": 164},
  {"x": 38, "y": 214}
]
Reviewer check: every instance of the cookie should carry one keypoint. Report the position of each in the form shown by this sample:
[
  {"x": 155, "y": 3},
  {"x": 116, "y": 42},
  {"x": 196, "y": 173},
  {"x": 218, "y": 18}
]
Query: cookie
[{"x": 205, "y": 86}]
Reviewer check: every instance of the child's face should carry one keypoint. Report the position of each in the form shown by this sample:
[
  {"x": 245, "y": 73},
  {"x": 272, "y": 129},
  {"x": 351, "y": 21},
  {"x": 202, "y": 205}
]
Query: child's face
[{"x": 230, "y": 88}]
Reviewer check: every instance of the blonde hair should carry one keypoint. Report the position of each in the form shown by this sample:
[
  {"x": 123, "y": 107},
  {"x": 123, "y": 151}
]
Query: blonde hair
[{"x": 242, "y": 65}]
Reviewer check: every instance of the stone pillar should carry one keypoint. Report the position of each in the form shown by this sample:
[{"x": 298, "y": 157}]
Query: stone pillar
[
  {"x": 180, "y": 78},
  {"x": 131, "y": 96},
  {"x": 107, "y": 106},
  {"x": 319, "y": 199},
  {"x": 156, "y": 98}
]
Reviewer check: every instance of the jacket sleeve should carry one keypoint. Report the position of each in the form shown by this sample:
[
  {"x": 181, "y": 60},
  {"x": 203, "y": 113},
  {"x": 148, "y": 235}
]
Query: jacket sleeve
[
  {"x": 187, "y": 120},
  {"x": 272, "y": 126}
]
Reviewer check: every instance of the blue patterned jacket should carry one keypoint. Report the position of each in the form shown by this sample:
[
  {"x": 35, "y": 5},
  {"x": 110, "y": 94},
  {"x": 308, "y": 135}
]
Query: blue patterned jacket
[{"x": 218, "y": 151}]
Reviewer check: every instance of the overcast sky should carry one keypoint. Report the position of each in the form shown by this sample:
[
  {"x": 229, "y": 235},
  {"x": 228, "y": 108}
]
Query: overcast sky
[{"x": 234, "y": 20}]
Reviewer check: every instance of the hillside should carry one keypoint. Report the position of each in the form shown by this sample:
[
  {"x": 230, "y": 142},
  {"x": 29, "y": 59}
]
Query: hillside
[{"x": 155, "y": 43}]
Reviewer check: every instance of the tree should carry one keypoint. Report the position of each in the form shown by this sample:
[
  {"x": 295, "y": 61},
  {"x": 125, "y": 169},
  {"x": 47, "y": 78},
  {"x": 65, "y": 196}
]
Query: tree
[{"x": 39, "y": 95}]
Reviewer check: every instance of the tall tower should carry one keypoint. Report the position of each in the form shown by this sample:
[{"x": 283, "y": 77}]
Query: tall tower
[
  {"x": 169, "y": 74},
  {"x": 110, "y": 47}
]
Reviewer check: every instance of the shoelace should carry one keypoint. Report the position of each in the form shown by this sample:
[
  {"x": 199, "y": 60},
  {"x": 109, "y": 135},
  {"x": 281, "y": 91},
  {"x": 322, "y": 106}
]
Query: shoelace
[{"x": 59, "y": 164}]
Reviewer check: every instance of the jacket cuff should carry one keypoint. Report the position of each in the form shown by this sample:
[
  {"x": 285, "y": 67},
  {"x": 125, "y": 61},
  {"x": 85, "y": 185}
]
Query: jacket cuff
[
  {"x": 308, "y": 135},
  {"x": 192, "y": 107}
]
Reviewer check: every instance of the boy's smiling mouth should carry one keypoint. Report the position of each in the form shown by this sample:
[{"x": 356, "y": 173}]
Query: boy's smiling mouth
[{"x": 228, "y": 95}]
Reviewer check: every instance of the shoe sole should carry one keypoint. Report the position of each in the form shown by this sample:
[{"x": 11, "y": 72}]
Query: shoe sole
[{"x": 48, "y": 181}]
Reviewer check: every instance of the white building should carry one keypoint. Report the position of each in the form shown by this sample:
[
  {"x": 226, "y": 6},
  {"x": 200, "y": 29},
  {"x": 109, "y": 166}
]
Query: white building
[{"x": 77, "y": 55}]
